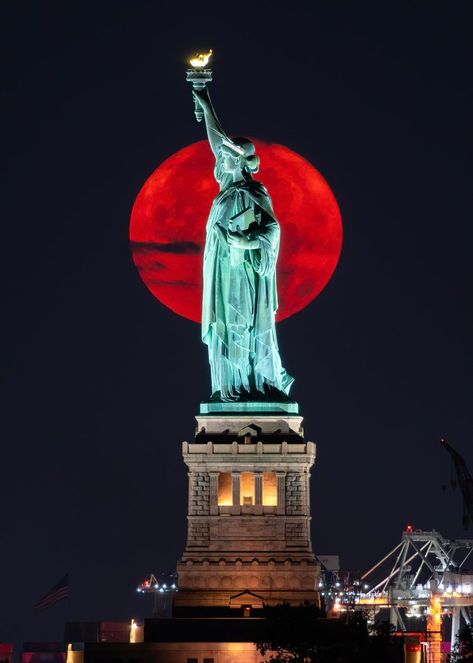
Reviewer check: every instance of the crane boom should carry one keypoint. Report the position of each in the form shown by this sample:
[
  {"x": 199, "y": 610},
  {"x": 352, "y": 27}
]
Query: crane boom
[{"x": 465, "y": 482}]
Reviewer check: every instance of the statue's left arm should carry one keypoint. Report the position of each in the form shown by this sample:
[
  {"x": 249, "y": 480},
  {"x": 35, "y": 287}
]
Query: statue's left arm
[
  {"x": 262, "y": 241},
  {"x": 242, "y": 242},
  {"x": 268, "y": 233}
]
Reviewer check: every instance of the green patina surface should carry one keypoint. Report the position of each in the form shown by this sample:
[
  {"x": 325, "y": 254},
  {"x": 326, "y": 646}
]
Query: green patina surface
[
  {"x": 262, "y": 407},
  {"x": 240, "y": 292}
]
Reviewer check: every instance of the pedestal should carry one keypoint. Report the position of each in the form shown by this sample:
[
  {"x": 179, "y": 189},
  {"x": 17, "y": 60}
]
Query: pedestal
[{"x": 249, "y": 511}]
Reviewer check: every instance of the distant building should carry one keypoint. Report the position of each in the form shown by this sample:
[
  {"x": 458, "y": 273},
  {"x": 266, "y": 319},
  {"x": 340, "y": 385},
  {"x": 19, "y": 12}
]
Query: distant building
[
  {"x": 6, "y": 652},
  {"x": 44, "y": 652},
  {"x": 97, "y": 632},
  {"x": 166, "y": 641}
]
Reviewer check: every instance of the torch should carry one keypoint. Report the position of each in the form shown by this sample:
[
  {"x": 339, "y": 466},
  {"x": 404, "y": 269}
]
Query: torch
[{"x": 199, "y": 76}]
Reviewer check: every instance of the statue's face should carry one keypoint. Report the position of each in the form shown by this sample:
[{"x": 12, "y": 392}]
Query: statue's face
[{"x": 230, "y": 163}]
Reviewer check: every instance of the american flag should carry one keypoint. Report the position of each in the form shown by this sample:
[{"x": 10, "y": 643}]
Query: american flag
[{"x": 57, "y": 593}]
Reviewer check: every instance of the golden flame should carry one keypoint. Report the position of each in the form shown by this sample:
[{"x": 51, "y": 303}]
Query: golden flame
[{"x": 201, "y": 60}]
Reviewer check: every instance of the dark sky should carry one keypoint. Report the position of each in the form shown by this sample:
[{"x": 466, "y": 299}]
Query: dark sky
[{"x": 100, "y": 383}]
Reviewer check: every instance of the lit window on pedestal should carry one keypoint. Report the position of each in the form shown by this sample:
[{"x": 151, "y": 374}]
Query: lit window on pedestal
[
  {"x": 270, "y": 489},
  {"x": 247, "y": 488},
  {"x": 225, "y": 489}
]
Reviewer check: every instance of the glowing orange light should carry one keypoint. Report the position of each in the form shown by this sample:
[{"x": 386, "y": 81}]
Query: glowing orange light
[
  {"x": 247, "y": 488},
  {"x": 434, "y": 625},
  {"x": 373, "y": 600},
  {"x": 270, "y": 489},
  {"x": 225, "y": 497}
]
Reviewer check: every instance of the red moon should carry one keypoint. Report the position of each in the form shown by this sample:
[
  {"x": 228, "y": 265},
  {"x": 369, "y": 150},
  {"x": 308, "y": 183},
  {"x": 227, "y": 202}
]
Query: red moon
[{"x": 167, "y": 229}]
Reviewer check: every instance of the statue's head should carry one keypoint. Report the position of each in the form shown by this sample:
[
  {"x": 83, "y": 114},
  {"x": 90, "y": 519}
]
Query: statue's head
[{"x": 239, "y": 155}]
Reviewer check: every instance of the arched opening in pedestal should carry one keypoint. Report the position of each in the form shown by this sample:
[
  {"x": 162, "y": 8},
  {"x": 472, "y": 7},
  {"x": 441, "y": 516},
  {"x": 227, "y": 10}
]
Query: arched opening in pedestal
[
  {"x": 247, "y": 488},
  {"x": 270, "y": 489},
  {"x": 225, "y": 495}
]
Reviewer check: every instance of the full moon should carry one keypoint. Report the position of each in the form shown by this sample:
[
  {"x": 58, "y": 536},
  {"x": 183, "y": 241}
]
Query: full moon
[{"x": 167, "y": 229}]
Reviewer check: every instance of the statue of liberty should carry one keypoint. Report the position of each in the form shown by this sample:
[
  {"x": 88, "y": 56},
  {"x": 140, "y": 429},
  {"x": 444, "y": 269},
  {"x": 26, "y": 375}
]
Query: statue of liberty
[{"x": 240, "y": 294}]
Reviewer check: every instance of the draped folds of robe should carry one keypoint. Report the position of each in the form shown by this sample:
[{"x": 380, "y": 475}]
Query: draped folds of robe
[{"x": 240, "y": 299}]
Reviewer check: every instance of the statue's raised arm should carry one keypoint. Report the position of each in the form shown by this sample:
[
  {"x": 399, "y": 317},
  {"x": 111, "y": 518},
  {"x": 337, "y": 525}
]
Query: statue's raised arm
[{"x": 215, "y": 132}]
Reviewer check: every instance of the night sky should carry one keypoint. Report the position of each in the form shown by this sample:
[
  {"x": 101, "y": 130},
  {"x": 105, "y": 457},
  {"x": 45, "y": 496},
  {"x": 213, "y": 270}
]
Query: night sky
[{"x": 100, "y": 383}]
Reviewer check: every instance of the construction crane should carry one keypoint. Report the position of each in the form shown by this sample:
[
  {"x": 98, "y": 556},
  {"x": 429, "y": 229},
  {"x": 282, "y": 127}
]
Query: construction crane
[
  {"x": 465, "y": 482},
  {"x": 163, "y": 587},
  {"x": 423, "y": 576}
]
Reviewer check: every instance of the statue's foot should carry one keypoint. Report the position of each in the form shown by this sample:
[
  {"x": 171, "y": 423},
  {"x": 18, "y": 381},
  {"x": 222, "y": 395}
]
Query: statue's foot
[{"x": 275, "y": 395}]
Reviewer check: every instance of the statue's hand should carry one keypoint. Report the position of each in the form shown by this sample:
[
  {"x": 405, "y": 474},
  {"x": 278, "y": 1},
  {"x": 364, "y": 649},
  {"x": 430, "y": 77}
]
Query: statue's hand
[
  {"x": 242, "y": 242},
  {"x": 201, "y": 97}
]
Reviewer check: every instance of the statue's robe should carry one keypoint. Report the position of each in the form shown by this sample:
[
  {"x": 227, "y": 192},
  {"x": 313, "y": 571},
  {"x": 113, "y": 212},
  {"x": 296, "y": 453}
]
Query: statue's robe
[{"x": 240, "y": 299}]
